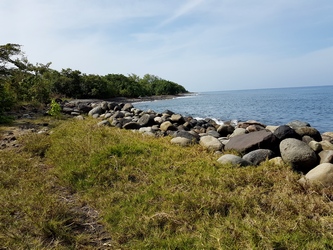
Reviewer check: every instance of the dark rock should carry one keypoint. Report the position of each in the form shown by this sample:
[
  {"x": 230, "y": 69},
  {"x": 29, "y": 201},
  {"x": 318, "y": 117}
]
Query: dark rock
[
  {"x": 256, "y": 140},
  {"x": 146, "y": 120},
  {"x": 225, "y": 130},
  {"x": 312, "y": 132},
  {"x": 131, "y": 125},
  {"x": 285, "y": 131}
]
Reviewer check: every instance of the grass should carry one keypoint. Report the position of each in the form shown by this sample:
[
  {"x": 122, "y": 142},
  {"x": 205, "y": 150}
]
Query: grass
[{"x": 153, "y": 195}]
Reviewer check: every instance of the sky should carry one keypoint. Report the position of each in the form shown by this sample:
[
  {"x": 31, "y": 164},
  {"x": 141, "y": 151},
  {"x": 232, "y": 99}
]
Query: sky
[{"x": 204, "y": 45}]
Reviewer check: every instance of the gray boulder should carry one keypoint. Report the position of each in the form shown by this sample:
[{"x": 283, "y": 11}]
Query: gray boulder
[
  {"x": 234, "y": 160},
  {"x": 211, "y": 143},
  {"x": 181, "y": 141},
  {"x": 320, "y": 175},
  {"x": 258, "y": 156},
  {"x": 255, "y": 140},
  {"x": 213, "y": 133},
  {"x": 326, "y": 156},
  {"x": 96, "y": 111},
  {"x": 239, "y": 131},
  {"x": 298, "y": 154},
  {"x": 146, "y": 120},
  {"x": 194, "y": 137},
  {"x": 127, "y": 107},
  {"x": 104, "y": 123},
  {"x": 298, "y": 124}
]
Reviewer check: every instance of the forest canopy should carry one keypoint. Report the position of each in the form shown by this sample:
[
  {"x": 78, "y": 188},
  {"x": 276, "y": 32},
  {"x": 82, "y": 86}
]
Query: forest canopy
[{"x": 20, "y": 81}]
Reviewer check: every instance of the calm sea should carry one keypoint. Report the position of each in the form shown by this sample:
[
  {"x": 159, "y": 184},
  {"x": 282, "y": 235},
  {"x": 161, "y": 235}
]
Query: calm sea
[{"x": 269, "y": 106}]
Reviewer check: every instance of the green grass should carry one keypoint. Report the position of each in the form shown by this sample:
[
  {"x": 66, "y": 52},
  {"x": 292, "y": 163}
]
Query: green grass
[{"x": 154, "y": 195}]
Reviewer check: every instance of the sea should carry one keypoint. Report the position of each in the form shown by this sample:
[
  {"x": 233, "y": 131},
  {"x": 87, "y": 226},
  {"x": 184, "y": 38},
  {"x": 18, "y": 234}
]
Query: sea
[{"x": 274, "y": 106}]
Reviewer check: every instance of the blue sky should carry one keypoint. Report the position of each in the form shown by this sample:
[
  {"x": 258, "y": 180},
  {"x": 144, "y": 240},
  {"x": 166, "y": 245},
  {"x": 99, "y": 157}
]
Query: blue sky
[{"x": 204, "y": 45}]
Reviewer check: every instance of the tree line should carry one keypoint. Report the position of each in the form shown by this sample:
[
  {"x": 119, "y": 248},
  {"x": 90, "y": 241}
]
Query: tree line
[{"x": 21, "y": 81}]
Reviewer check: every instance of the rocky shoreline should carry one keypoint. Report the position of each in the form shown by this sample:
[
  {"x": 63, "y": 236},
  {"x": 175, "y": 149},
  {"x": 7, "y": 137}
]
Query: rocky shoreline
[{"x": 296, "y": 143}]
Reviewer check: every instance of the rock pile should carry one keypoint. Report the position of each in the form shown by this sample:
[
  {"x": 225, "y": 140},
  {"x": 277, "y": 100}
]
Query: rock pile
[{"x": 296, "y": 143}]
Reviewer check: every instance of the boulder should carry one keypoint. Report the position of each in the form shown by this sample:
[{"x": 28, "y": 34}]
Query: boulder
[
  {"x": 213, "y": 133},
  {"x": 249, "y": 123},
  {"x": 177, "y": 118},
  {"x": 234, "y": 160},
  {"x": 96, "y": 111},
  {"x": 225, "y": 129},
  {"x": 211, "y": 143},
  {"x": 255, "y": 140},
  {"x": 127, "y": 107},
  {"x": 285, "y": 131},
  {"x": 194, "y": 137},
  {"x": 131, "y": 125},
  {"x": 258, "y": 156},
  {"x": 320, "y": 175},
  {"x": 167, "y": 126},
  {"x": 277, "y": 161},
  {"x": 309, "y": 131},
  {"x": 298, "y": 154},
  {"x": 327, "y": 136},
  {"x": 254, "y": 127},
  {"x": 316, "y": 146},
  {"x": 271, "y": 128},
  {"x": 326, "y": 156},
  {"x": 326, "y": 145},
  {"x": 239, "y": 131},
  {"x": 146, "y": 120},
  {"x": 104, "y": 123},
  {"x": 298, "y": 124},
  {"x": 181, "y": 141}
]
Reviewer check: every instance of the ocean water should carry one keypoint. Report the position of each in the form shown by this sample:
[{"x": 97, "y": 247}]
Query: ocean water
[{"x": 269, "y": 106}]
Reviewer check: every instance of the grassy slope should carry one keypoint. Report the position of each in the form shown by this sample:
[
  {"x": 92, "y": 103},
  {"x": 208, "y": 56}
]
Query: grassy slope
[{"x": 154, "y": 195}]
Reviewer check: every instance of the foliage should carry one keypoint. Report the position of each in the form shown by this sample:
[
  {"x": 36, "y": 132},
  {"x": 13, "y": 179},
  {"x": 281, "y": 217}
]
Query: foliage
[
  {"x": 55, "y": 109},
  {"x": 21, "y": 81}
]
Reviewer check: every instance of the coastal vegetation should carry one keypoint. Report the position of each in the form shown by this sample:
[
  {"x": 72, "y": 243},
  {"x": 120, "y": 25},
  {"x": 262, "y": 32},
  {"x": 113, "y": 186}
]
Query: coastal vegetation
[
  {"x": 21, "y": 81},
  {"x": 96, "y": 187}
]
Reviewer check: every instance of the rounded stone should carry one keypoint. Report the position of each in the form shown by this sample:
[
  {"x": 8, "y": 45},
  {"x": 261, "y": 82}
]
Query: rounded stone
[
  {"x": 234, "y": 160},
  {"x": 321, "y": 175},
  {"x": 298, "y": 154}
]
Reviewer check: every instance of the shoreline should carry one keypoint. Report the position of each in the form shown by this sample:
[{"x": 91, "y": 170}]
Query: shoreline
[{"x": 146, "y": 98}]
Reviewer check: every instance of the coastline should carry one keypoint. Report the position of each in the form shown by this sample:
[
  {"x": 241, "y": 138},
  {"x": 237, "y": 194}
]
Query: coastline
[{"x": 146, "y": 98}]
